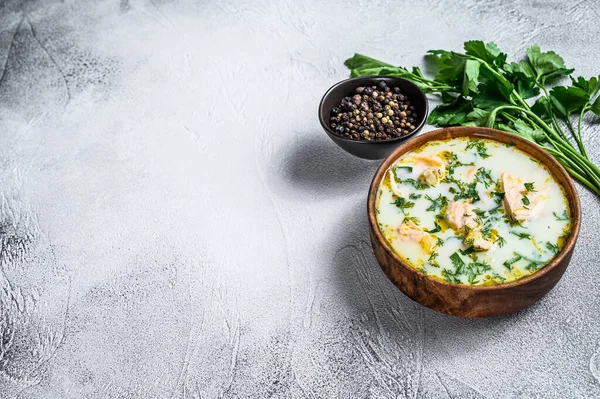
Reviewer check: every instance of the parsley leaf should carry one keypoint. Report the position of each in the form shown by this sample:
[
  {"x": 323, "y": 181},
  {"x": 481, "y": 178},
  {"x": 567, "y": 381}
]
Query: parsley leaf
[
  {"x": 467, "y": 251},
  {"x": 567, "y": 100},
  {"x": 479, "y": 146},
  {"x": 432, "y": 259},
  {"x": 546, "y": 65},
  {"x": 522, "y": 236},
  {"x": 552, "y": 247},
  {"x": 564, "y": 216},
  {"x": 468, "y": 192},
  {"x": 438, "y": 203},
  {"x": 501, "y": 241},
  {"x": 511, "y": 261},
  {"x": 457, "y": 261},
  {"x": 479, "y": 88},
  {"x": 483, "y": 176},
  {"x": 413, "y": 219},
  {"x": 403, "y": 204},
  {"x": 437, "y": 229}
]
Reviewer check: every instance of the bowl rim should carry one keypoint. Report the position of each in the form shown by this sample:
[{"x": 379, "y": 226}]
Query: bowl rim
[
  {"x": 553, "y": 166},
  {"x": 333, "y": 88}
]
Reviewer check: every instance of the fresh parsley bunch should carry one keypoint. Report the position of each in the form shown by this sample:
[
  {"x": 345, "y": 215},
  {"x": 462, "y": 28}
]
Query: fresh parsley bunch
[{"x": 480, "y": 88}]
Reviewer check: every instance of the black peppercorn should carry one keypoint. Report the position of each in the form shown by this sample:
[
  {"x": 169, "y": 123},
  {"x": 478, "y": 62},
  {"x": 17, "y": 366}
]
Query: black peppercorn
[{"x": 374, "y": 113}]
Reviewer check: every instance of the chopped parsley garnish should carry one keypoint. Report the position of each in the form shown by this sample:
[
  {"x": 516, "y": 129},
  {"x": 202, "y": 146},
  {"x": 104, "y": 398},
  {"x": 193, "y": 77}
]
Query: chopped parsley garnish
[
  {"x": 432, "y": 260},
  {"x": 469, "y": 192},
  {"x": 436, "y": 203},
  {"x": 476, "y": 269},
  {"x": 564, "y": 216},
  {"x": 455, "y": 163},
  {"x": 495, "y": 210},
  {"x": 408, "y": 168},
  {"x": 501, "y": 241},
  {"x": 498, "y": 196},
  {"x": 437, "y": 229},
  {"x": 525, "y": 200},
  {"x": 529, "y": 187},
  {"x": 534, "y": 264},
  {"x": 511, "y": 261},
  {"x": 440, "y": 242},
  {"x": 418, "y": 184},
  {"x": 467, "y": 251},
  {"x": 413, "y": 219},
  {"x": 415, "y": 196},
  {"x": 522, "y": 236},
  {"x": 403, "y": 204},
  {"x": 479, "y": 146},
  {"x": 457, "y": 261},
  {"x": 450, "y": 276},
  {"x": 453, "y": 276},
  {"x": 486, "y": 232},
  {"x": 483, "y": 176},
  {"x": 479, "y": 212},
  {"x": 552, "y": 247}
]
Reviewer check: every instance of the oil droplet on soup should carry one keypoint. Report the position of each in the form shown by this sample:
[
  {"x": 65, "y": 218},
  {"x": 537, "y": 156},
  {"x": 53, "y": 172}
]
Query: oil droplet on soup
[{"x": 472, "y": 211}]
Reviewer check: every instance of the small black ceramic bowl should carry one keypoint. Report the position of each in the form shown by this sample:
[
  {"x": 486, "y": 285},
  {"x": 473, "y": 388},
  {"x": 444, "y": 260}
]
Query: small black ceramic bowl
[{"x": 371, "y": 149}]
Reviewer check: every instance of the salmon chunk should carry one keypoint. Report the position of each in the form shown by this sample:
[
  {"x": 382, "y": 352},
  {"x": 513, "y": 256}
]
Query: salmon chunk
[
  {"x": 411, "y": 232},
  {"x": 431, "y": 176},
  {"x": 431, "y": 160},
  {"x": 475, "y": 238},
  {"x": 394, "y": 185},
  {"x": 514, "y": 194},
  {"x": 460, "y": 214}
]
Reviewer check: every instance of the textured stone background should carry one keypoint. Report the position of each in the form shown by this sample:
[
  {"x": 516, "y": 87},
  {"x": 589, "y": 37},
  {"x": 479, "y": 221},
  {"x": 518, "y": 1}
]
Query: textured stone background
[{"x": 174, "y": 223}]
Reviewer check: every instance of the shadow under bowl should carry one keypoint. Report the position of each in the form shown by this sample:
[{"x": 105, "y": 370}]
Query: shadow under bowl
[
  {"x": 371, "y": 149},
  {"x": 464, "y": 300}
]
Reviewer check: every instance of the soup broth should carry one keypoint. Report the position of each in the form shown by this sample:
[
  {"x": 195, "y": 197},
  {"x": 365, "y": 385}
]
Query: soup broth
[{"x": 472, "y": 211}]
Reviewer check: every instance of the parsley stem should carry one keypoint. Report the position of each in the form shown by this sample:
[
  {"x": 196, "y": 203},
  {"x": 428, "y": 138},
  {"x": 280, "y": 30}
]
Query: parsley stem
[
  {"x": 550, "y": 112},
  {"x": 566, "y": 160},
  {"x": 582, "y": 147},
  {"x": 575, "y": 136},
  {"x": 588, "y": 167},
  {"x": 559, "y": 129},
  {"x": 576, "y": 171}
]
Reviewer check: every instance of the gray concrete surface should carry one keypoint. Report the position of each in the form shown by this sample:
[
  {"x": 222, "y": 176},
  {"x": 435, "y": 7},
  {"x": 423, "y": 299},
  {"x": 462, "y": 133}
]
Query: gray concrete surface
[{"x": 174, "y": 223}]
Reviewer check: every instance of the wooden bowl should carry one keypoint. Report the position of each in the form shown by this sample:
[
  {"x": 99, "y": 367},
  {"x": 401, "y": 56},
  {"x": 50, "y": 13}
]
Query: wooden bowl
[
  {"x": 371, "y": 149},
  {"x": 465, "y": 300}
]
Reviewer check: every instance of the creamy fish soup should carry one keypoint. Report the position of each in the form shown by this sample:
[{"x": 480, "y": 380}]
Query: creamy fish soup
[{"x": 475, "y": 212}]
